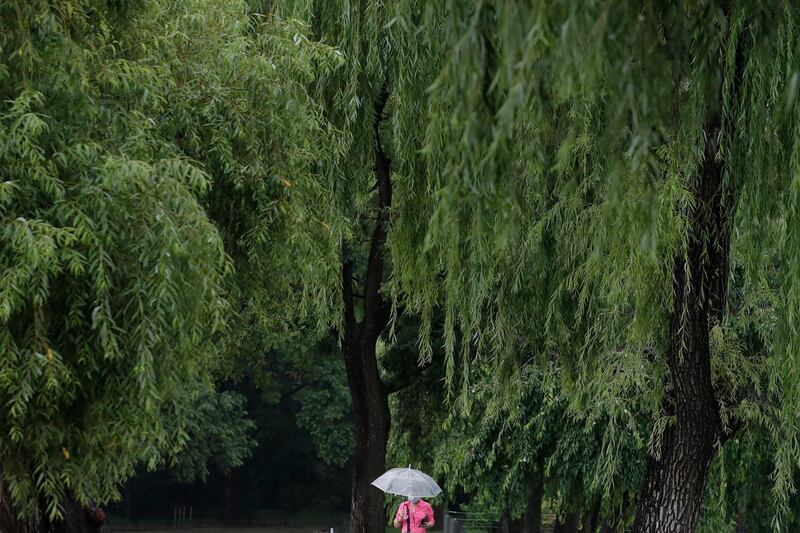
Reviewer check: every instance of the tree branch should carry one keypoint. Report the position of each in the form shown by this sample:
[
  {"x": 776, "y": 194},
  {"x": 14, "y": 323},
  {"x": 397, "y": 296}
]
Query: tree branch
[{"x": 376, "y": 310}]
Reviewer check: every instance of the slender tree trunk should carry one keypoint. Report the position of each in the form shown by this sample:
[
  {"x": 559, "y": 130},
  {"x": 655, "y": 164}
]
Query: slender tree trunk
[
  {"x": 505, "y": 520},
  {"x": 367, "y": 391},
  {"x": 532, "y": 522},
  {"x": 741, "y": 522},
  {"x": 569, "y": 524},
  {"x": 674, "y": 483},
  {"x": 8, "y": 519},
  {"x": 231, "y": 505},
  {"x": 741, "y": 517},
  {"x": 127, "y": 499},
  {"x": 592, "y": 517},
  {"x": 74, "y": 519}
]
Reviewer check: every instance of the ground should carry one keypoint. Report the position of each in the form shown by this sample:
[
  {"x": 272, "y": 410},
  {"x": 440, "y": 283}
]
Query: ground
[{"x": 224, "y": 530}]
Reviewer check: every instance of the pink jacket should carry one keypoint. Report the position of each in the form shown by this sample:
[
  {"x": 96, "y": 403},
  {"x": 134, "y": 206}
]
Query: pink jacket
[{"x": 422, "y": 511}]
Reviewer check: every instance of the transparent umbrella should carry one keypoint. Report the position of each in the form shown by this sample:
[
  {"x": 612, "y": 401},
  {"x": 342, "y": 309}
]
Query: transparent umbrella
[{"x": 408, "y": 482}]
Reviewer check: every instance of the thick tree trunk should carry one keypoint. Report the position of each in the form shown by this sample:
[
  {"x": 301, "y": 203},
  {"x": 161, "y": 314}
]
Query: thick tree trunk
[
  {"x": 532, "y": 521},
  {"x": 674, "y": 483},
  {"x": 367, "y": 391},
  {"x": 372, "y": 422}
]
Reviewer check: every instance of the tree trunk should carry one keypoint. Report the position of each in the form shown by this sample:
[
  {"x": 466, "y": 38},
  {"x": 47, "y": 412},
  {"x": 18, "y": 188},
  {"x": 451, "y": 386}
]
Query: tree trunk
[
  {"x": 505, "y": 521},
  {"x": 532, "y": 522},
  {"x": 231, "y": 508},
  {"x": 372, "y": 422},
  {"x": 592, "y": 517},
  {"x": 740, "y": 520},
  {"x": 8, "y": 519},
  {"x": 127, "y": 500},
  {"x": 75, "y": 519},
  {"x": 672, "y": 492},
  {"x": 367, "y": 391},
  {"x": 569, "y": 524}
]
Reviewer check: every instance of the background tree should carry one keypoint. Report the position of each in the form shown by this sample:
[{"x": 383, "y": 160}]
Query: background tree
[
  {"x": 218, "y": 434},
  {"x": 343, "y": 220}
]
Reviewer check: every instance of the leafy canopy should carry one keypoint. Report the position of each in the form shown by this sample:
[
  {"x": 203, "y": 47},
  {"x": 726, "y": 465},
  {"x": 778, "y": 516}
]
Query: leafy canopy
[{"x": 119, "y": 123}]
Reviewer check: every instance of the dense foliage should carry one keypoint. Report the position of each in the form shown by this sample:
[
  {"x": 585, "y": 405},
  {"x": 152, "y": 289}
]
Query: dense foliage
[
  {"x": 117, "y": 120},
  {"x": 564, "y": 144},
  {"x": 570, "y": 196}
]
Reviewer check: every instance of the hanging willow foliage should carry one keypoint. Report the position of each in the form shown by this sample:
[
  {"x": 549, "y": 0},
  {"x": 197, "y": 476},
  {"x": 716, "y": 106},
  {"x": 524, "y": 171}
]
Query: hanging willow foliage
[{"x": 561, "y": 150}]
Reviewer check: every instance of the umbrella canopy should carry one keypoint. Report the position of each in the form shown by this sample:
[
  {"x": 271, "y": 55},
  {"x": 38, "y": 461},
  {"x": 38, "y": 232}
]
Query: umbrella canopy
[{"x": 408, "y": 482}]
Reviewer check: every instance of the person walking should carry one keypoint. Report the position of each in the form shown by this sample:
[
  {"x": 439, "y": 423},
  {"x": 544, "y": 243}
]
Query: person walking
[{"x": 413, "y": 516}]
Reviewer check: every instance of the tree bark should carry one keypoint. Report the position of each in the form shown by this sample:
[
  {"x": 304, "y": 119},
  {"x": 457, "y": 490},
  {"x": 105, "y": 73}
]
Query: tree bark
[
  {"x": 532, "y": 522},
  {"x": 231, "y": 505},
  {"x": 127, "y": 500},
  {"x": 367, "y": 391},
  {"x": 592, "y": 517},
  {"x": 568, "y": 525},
  {"x": 8, "y": 519},
  {"x": 740, "y": 520},
  {"x": 75, "y": 519},
  {"x": 674, "y": 483}
]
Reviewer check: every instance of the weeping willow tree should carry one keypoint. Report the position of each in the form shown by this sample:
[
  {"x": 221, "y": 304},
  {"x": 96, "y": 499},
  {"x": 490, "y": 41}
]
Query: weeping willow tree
[
  {"x": 116, "y": 120},
  {"x": 339, "y": 217},
  {"x": 619, "y": 179}
]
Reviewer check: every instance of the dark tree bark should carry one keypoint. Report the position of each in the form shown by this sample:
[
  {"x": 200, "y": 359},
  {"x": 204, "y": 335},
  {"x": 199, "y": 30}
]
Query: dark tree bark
[
  {"x": 741, "y": 522},
  {"x": 8, "y": 519},
  {"x": 592, "y": 517},
  {"x": 231, "y": 506},
  {"x": 740, "y": 519},
  {"x": 532, "y": 521},
  {"x": 367, "y": 391},
  {"x": 674, "y": 483},
  {"x": 569, "y": 524},
  {"x": 76, "y": 519},
  {"x": 127, "y": 501}
]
